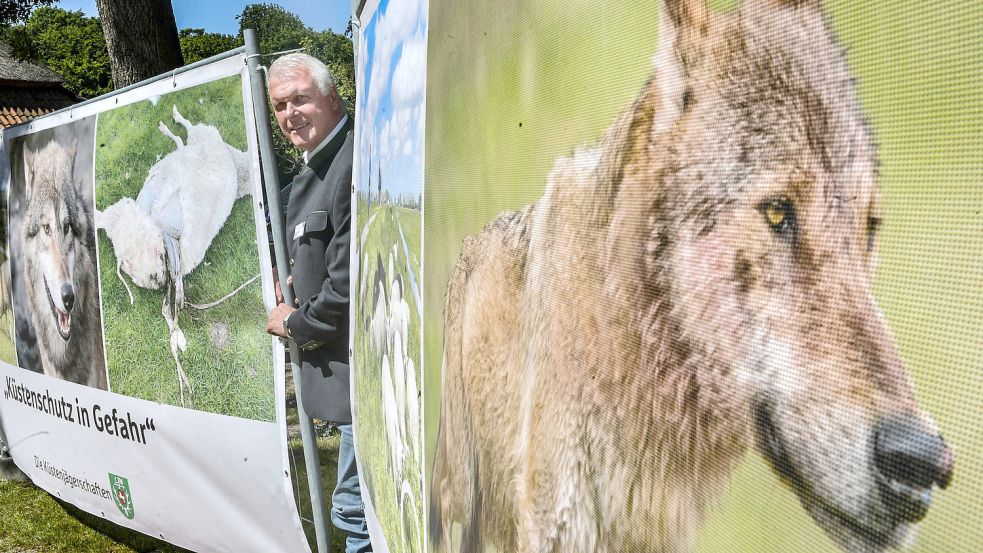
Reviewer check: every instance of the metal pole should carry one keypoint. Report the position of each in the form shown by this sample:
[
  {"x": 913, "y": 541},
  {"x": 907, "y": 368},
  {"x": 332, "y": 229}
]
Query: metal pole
[{"x": 311, "y": 458}]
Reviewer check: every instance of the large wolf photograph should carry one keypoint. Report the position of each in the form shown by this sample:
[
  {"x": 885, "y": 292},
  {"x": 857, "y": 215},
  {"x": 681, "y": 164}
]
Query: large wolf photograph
[
  {"x": 681, "y": 293},
  {"x": 54, "y": 281}
]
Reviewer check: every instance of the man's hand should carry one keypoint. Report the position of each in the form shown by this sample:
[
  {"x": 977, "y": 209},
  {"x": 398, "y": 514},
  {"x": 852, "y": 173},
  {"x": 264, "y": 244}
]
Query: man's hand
[
  {"x": 274, "y": 323},
  {"x": 276, "y": 284}
]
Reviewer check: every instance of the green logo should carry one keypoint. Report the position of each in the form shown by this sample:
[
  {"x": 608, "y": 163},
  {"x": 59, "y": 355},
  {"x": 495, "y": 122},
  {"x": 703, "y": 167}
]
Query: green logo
[{"x": 121, "y": 494}]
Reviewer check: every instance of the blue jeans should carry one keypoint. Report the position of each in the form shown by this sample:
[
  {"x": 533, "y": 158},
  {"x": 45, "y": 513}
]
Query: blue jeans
[{"x": 347, "y": 511}]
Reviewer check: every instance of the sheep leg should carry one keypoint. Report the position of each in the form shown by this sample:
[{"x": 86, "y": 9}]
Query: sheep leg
[
  {"x": 177, "y": 343},
  {"x": 167, "y": 132},
  {"x": 180, "y": 119},
  {"x": 172, "y": 246},
  {"x": 173, "y": 300}
]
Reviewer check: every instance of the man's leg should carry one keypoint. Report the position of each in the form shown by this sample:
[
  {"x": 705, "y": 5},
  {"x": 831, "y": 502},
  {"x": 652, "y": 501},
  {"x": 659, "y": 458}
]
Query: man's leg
[{"x": 347, "y": 511}]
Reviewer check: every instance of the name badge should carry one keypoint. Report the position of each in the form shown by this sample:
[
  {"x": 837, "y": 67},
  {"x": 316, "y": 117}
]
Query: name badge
[{"x": 299, "y": 230}]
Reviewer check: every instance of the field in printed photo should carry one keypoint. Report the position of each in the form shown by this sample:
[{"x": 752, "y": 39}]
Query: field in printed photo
[
  {"x": 389, "y": 243},
  {"x": 227, "y": 356}
]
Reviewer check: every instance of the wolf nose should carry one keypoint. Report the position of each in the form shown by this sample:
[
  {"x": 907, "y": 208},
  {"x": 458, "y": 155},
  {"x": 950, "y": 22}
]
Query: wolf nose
[
  {"x": 910, "y": 459},
  {"x": 68, "y": 297},
  {"x": 908, "y": 453}
]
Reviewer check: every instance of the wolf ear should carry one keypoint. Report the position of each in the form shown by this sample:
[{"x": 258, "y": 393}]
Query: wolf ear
[
  {"x": 683, "y": 26},
  {"x": 70, "y": 151},
  {"x": 28, "y": 170}
]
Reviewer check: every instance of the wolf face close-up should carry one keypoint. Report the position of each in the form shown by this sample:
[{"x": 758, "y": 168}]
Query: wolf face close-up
[
  {"x": 59, "y": 269},
  {"x": 697, "y": 285}
]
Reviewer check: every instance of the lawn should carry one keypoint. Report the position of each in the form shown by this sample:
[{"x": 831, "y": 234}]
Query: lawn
[
  {"x": 229, "y": 355},
  {"x": 553, "y": 75}
]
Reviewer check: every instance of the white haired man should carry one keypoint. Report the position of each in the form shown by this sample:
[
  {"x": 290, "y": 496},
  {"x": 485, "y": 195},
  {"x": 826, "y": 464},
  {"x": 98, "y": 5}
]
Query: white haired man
[{"x": 317, "y": 203}]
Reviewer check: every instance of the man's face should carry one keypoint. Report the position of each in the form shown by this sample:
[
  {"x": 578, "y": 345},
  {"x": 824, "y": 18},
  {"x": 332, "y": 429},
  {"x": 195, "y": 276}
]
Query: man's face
[{"x": 305, "y": 115}]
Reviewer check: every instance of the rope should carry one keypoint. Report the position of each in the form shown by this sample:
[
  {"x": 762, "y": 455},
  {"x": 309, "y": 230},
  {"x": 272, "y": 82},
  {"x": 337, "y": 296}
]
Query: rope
[{"x": 202, "y": 307}]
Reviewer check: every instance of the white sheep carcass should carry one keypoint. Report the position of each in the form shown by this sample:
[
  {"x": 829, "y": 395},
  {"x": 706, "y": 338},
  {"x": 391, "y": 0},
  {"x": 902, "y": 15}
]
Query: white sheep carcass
[{"x": 163, "y": 235}]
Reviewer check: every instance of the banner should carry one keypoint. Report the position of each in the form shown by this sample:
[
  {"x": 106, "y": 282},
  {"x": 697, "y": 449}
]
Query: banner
[
  {"x": 703, "y": 276},
  {"x": 387, "y": 277},
  {"x": 143, "y": 388}
]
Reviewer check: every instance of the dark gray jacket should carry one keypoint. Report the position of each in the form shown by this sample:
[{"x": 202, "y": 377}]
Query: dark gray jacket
[{"x": 318, "y": 232}]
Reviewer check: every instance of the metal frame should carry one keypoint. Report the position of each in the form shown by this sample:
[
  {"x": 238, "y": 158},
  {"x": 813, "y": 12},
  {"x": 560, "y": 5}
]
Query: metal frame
[{"x": 270, "y": 180}]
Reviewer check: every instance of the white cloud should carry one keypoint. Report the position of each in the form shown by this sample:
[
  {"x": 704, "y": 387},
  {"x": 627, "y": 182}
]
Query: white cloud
[
  {"x": 409, "y": 77},
  {"x": 393, "y": 102}
]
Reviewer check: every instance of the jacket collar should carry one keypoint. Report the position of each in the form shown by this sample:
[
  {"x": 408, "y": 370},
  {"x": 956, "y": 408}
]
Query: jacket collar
[{"x": 324, "y": 155}]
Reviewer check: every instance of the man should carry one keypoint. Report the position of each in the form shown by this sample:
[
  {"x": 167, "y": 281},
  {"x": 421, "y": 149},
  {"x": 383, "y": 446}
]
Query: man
[{"x": 318, "y": 229}]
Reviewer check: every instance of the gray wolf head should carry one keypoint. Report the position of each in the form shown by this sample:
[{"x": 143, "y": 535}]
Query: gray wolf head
[
  {"x": 755, "y": 171},
  {"x": 58, "y": 263}
]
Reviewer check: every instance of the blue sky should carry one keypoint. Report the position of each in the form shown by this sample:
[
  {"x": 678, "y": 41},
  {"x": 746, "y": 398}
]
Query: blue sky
[
  {"x": 219, "y": 16},
  {"x": 391, "y": 97}
]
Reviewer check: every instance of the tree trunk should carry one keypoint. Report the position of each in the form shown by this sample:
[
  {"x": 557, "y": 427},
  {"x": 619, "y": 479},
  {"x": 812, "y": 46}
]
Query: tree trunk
[{"x": 142, "y": 39}]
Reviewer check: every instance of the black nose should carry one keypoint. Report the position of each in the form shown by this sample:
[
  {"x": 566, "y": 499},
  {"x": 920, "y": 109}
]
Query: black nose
[
  {"x": 67, "y": 297},
  {"x": 910, "y": 458}
]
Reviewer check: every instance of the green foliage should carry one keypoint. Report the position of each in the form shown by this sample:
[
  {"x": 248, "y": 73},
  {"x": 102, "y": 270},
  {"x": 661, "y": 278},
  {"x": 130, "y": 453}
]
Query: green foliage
[
  {"x": 16, "y": 11},
  {"x": 35, "y": 521},
  {"x": 278, "y": 29},
  {"x": 197, "y": 45},
  {"x": 69, "y": 43},
  {"x": 338, "y": 53}
]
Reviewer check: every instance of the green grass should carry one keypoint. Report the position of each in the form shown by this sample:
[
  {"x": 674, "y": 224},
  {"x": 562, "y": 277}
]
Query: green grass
[
  {"x": 34, "y": 521},
  {"x": 553, "y": 75},
  {"x": 229, "y": 355},
  {"x": 371, "y": 433},
  {"x": 328, "y": 453}
]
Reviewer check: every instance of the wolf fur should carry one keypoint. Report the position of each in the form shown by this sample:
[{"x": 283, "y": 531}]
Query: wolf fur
[
  {"x": 697, "y": 284},
  {"x": 59, "y": 271}
]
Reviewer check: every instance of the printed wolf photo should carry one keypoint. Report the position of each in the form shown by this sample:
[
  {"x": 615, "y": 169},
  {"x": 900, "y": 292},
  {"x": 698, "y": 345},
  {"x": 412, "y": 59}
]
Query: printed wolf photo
[
  {"x": 697, "y": 285},
  {"x": 54, "y": 283}
]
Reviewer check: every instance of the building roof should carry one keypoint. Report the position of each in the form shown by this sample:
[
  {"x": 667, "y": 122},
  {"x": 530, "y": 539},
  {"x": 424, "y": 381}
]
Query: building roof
[
  {"x": 19, "y": 104},
  {"x": 12, "y": 69},
  {"x": 29, "y": 90}
]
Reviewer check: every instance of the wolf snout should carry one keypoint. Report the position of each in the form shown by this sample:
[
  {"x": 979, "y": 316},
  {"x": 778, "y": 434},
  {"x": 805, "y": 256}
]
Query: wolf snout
[
  {"x": 68, "y": 297},
  {"x": 910, "y": 459}
]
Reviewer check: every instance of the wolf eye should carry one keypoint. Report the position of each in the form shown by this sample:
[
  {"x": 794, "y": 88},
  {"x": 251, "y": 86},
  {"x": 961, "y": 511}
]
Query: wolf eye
[
  {"x": 47, "y": 229},
  {"x": 780, "y": 214},
  {"x": 66, "y": 228}
]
